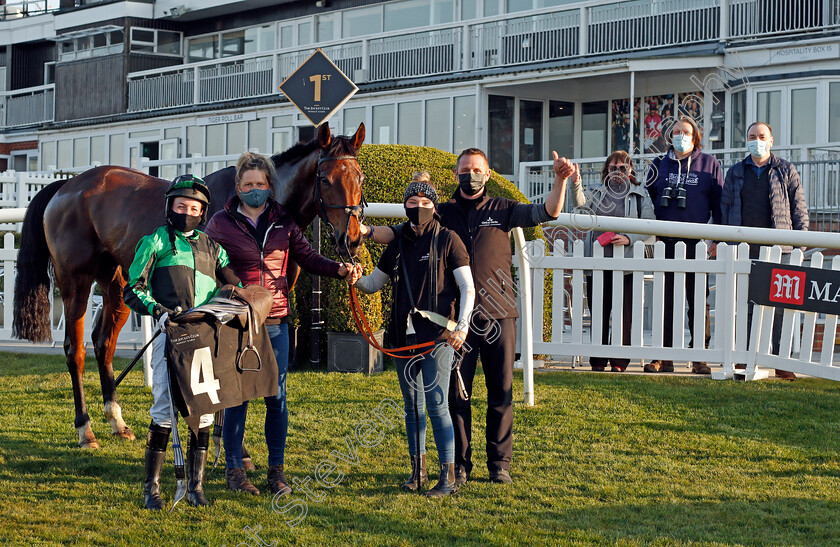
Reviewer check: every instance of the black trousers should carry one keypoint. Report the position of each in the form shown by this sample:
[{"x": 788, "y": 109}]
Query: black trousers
[
  {"x": 606, "y": 309},
  {"x": 668, "y": 315},
  {"x": 494, "y": 340}
]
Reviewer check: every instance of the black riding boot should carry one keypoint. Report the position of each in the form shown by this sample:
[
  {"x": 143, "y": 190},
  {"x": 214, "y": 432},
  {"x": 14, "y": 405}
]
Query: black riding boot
[
  {"x": 418, "y": 477},
  {"x": 446, "y": 485},
  {"x": 155, "y": 455},
  {"x": 196, "y": 462}
]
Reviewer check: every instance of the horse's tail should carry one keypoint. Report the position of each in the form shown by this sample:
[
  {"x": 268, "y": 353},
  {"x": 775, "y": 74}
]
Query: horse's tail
[{"x": 32, "y": 283}]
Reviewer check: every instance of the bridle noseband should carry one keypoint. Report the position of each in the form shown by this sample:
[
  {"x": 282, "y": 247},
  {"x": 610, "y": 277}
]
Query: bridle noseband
[{"x": 351, "y": 210}]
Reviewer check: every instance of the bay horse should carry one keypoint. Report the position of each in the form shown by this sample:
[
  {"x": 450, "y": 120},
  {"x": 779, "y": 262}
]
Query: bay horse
[{"x": 87, "y": 228}]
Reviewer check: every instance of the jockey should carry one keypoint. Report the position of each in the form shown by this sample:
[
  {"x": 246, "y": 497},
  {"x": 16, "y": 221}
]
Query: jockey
[{"x": 175, "y": 267}]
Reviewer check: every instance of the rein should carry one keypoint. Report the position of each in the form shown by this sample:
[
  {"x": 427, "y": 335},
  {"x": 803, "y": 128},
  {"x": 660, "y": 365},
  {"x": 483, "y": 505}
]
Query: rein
[
  {"x": 352, "y": 210},
  {"x": 366, "y": 332}
]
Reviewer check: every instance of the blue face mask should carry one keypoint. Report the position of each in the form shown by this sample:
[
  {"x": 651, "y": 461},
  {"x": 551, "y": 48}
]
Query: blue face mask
[
  {"x": 255, "y": 197},
  {"x": 757, "y": 148},
  {"x": 682, "y": 143}
]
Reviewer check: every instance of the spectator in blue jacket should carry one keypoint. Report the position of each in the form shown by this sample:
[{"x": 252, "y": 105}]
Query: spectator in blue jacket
[
  {"x": 685, "y": 186},
  {"x": 765, "y": 191}
]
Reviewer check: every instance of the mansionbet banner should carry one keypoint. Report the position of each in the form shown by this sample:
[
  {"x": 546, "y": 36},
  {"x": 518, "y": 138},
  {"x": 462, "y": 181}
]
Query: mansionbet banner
[{"x": 795, "y": 287}]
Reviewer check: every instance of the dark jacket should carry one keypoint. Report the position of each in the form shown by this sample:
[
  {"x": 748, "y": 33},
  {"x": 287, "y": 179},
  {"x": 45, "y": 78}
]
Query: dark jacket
[
  {"x": 417, "y": 255},
  {"x": 483, "y": 225},
  {"x": 703, "y": 180},
  {"x": 265, "y": 262},
  {"x": 787, "y": 198}
]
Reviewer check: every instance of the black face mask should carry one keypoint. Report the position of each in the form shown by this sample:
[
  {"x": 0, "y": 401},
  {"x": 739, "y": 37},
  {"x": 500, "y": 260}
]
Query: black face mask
[
  {"x": 183, "y": 222},
  {"x": 471, "y": 183},
  {"x": 420, "y": 216}
]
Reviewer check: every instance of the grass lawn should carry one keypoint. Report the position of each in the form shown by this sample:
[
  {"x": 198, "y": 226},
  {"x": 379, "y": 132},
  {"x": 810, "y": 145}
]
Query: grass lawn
[{"x": 601, "y": 460}]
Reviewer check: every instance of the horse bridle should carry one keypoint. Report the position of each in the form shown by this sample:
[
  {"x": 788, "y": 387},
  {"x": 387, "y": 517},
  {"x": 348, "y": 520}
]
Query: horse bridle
[{"x": 351, "y": 210}]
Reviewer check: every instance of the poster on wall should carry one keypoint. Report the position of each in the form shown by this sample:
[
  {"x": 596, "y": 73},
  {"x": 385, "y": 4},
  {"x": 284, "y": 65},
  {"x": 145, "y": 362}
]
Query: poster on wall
[
  {"x": 620, "y": 124},
  {"x": 691, "y": 104},
  {"x": 657, "y": 109}
]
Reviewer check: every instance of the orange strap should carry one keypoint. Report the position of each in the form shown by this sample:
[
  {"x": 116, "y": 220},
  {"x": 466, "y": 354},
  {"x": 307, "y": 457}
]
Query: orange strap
[{"x": 367, "y": 332}]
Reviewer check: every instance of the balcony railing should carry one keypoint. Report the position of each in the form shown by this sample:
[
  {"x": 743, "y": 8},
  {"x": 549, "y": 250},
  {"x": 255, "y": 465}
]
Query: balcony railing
[{"x": 28, "y": 106}]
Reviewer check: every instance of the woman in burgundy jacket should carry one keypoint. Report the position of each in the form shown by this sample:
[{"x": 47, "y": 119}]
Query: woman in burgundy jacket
[{"x": 259, "y": 236}]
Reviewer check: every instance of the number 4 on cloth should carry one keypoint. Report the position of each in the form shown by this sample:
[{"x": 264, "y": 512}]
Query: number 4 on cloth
[{"x": 202, "y": 379}]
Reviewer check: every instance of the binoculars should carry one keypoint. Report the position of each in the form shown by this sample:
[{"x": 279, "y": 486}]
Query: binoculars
[{"x": 672, "y": 192}]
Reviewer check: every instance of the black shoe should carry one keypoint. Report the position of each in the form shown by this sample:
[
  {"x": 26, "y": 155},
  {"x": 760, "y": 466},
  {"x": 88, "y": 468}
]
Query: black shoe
[
  {"x": 500, "y": 476},
  {"x": 238, "y": 481},
  {"x": 419, "y": 476},
  {"x": 156, "y": 443},
  {"x": 196, "y": 462},
  {"x": 461, "y": 475},
  {"x": 446, "y": 484},
  {"x": 277, "y": 480}
]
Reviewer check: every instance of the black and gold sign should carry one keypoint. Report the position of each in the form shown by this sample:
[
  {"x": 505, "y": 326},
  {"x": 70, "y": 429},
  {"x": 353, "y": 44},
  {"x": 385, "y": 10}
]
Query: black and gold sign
[{"x": 318, "y": 88}]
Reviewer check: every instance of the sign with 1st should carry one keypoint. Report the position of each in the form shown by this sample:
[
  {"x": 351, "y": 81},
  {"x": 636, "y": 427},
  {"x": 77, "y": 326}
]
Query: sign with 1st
[{"x": 318, "y": 88}]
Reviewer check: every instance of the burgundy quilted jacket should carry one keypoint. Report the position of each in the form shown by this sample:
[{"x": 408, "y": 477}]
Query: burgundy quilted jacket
[{"x": 265, "y": 262}]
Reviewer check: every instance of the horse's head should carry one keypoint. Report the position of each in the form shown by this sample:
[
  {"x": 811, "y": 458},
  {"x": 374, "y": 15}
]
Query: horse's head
[{"x": 339, "y": 199}]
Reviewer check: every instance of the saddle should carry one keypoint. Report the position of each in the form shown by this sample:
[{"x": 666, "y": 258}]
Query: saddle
[{"x": 245, "y": 308}]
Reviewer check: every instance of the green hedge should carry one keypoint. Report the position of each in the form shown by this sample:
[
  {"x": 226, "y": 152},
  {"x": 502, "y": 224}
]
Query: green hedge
[{"x": 388, "y": 169}]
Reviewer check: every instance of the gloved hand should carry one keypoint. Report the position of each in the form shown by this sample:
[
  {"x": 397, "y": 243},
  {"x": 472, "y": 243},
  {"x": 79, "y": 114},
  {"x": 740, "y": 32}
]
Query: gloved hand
[{"x": 161, "y": 315}]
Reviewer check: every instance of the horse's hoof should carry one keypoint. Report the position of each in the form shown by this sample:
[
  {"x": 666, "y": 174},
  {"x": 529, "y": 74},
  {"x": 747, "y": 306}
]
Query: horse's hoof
[
  {"x": 86, "y": 437},
  {"x": 88, "y": 443},
  {"x": 126, "y": 434}
]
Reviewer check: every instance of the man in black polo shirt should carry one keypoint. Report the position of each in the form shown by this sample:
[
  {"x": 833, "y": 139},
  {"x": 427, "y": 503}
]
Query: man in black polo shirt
[
  {"x": 764, "y": 191},
  {"x": 483, "y": 223}
]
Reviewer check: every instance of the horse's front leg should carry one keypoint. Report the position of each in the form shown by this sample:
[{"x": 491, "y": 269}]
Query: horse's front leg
[{"x": 105, "y": 333}]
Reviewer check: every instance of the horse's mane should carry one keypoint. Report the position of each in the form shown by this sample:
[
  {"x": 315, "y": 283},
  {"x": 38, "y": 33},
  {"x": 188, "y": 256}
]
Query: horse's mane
[{"x": 340, "y": 146}]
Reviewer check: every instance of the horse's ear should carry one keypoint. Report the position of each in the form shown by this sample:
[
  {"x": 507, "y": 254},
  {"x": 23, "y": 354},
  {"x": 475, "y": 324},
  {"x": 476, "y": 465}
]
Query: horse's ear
[
  {"x": 324, "y": 135},
  {"x": 359, "y": 137}
]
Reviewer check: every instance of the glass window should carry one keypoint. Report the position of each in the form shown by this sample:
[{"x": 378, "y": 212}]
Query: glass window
[
  {"x": 100, "y": 40},
  {"x": 438, "y": 122},
  {"x": 236, "y": 137},
  {"x": 463, "y": 130},
  {"x": 594, "y": 129},
  {"x": 406, "y": 14},
  {"x": 169, "y": 42},
  {"x": 281, "y": 121},
  {"x": 500, "y": 134},
  {"x": 803, "y": 116},
  {"x": 518, "y": 5},
  {"x": 172, "y": 133},
  {"x": 280, "y": 141},
  {"x": 215, "y": 140},
  {"x": 97, "y": 150},
  {"x": 116, "y": 37},
  {"x": 252, "y": 40},
  {"x": 326, "y": 28},
  {"x": 32, "y": 163},
  {"x": 204, "y": 48},
  {"x": 146, "y": 135},
  {"x": 530, "y": 130},
  {"x": 834, "y": 112},
  {"x": 267, "y": 38},
  {"x": 769, "y": 108},
  {"x": 491, "y": 8},
  {"x": 256, "y": 135},
  {"x": 561, "y": 127},
  {"x": 469, "y": 9},
  {"x": 47, "y": 155},
  {"x": 116, "y": 149},
  {"x": 383, "y": 124},
  {"x": 443, "y": 11},
  {"x": 233, "y": 43},
  {"x": 81, "y": 152},
  {"x": 739, "y": 119},
  {"x": 142, "y": 40},
  {"x": 717, "y": 136},
  {"x": 410, "y": 117},
  {"x": 195, "y": 140},
  {"x": 304, "y": 33},
  {"x": 65, "y": 154},
  {"x": 286, "y": 37},
  {"x": 352, "y": 118},
  {"x": 357, "y": 22}
]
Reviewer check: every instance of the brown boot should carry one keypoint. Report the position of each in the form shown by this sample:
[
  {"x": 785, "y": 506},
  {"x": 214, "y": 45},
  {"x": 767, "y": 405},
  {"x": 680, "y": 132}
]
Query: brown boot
[
  {"x": 418, "y": 477},
  {"x": 446, "y": 485},
  {"x": 666, "y": 366},
  {"x": 277, "y": 480},
  {"x": 653, "y": 366},
  {"x": 785, "y": 375},
  {"x": 699, "y": 367},
  {"x": 238, "y": 481}
]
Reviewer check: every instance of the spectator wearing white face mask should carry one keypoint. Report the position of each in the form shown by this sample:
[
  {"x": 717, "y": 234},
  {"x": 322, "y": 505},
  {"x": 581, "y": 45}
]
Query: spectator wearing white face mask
[{"x": 765, "y": 191}]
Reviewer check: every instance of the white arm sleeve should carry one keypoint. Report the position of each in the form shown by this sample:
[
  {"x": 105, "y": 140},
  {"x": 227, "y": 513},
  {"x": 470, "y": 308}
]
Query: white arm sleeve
[
  {"x": 463, "y": 276},
  {"x": 371, "y": 283}
]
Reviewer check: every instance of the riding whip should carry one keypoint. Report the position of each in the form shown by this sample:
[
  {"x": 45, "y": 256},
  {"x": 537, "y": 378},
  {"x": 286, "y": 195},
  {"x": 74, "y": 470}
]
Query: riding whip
[
  {"x": 180, "y": 475},
  {"x": 136, "y": 358}
]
